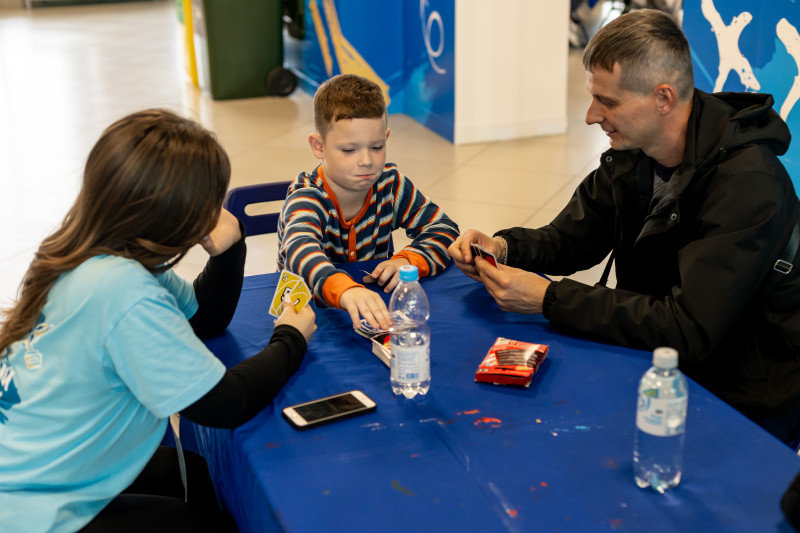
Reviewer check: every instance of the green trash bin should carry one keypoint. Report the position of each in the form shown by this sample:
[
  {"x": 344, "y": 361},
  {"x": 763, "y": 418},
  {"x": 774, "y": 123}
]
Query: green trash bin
[{"x": 239, "y": 48}]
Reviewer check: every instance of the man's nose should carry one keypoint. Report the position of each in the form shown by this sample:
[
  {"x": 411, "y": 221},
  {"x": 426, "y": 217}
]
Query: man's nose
[{"x": 592, "y": 114}]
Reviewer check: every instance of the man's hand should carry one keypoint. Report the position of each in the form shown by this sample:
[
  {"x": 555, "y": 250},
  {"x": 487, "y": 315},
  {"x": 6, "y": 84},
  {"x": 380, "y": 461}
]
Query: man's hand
[
  {"x": 360, "y": 301},
  {"x": 386, "y": 274},
  {"x": 513, "y": 289},
  {"x": 462, "y": 254},
  {"x": 223, "y": 236}
]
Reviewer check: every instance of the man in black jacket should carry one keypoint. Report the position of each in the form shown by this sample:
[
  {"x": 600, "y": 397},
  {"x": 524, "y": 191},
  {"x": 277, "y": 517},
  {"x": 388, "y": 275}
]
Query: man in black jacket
[{"x": 699, "y": 214}]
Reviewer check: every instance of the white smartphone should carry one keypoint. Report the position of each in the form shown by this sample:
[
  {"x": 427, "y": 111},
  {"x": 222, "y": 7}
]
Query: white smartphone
[{"x": 325, "y": 410}]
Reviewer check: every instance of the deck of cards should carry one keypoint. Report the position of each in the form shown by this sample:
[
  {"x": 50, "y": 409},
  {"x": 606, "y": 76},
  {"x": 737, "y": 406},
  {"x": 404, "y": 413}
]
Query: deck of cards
[
  {"x": 381, "y": 338},
  {"x": 291, "y": 289},
  {"x": 478, "y": 250},
  {"x": 380, "y": 341},
  {"x": 510, "y": 362}
]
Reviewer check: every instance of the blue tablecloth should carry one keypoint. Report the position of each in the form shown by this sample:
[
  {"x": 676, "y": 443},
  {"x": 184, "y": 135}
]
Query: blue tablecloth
[{"x": 479, "y": 457}]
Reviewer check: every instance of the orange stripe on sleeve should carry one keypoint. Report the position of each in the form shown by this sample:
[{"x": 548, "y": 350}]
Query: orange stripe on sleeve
[
  {"x": 334, "y": 287},
  {"x": 415, "y": 259}
]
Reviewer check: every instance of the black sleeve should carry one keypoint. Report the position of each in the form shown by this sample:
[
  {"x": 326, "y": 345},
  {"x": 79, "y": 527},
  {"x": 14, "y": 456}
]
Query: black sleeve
[
  {"x": 248, "y": 387},
  {"x": 217, "y": 289},
  {"x": 790, "y": 503},
  {"x": 579, "y": 237}
]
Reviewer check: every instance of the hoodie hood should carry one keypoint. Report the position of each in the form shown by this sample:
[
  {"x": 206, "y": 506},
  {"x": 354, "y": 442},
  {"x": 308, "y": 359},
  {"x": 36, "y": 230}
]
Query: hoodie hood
[{"x": 731, "y": 120}]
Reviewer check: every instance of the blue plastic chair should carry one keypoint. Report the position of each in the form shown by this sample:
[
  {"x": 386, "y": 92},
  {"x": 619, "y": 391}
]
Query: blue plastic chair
[{"x": 239, "y": 198}]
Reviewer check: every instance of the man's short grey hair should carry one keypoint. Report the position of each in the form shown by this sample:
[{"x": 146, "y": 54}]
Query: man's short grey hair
[{"x": 650, "y": 48}]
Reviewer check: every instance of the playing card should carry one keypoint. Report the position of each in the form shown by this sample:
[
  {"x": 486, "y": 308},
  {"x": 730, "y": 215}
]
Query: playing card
[
  {"x": 368, "y": 329},
  {"x": 293, "y": 287},
  {"x": 477, "y": 249}
]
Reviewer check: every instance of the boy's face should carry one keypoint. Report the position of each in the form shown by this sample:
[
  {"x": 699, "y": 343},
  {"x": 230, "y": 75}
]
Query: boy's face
[{"x": 353, "y": 153}]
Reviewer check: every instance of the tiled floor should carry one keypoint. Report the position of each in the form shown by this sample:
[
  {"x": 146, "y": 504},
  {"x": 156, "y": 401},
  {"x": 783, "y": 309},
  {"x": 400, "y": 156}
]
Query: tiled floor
[{"x": 66, "y": 73}]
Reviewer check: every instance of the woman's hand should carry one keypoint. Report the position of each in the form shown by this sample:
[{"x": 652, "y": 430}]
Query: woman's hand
[
  {"x": 224, "y": 235},
  {"x": 303, "y": 321}
]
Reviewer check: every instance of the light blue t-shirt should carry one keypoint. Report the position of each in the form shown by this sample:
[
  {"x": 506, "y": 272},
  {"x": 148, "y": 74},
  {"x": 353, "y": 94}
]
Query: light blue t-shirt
[{"x": 84, "y": 398}]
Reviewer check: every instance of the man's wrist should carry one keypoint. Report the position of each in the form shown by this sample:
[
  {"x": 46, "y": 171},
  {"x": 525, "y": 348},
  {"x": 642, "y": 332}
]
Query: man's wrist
[{"x": 502, "y": 255}]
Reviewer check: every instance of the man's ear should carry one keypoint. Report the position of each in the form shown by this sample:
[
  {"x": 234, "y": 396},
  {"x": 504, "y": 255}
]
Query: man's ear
[
  {"x": 317, "y": 146},
  {"x": 666, "y": 98}
]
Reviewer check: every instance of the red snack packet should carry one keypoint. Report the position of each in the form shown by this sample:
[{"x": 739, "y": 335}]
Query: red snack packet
[{"x": 510, "y": 362}]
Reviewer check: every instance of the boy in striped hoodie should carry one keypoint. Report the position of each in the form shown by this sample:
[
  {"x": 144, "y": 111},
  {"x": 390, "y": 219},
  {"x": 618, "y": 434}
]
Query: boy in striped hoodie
[{"x": 346, "y": 208}]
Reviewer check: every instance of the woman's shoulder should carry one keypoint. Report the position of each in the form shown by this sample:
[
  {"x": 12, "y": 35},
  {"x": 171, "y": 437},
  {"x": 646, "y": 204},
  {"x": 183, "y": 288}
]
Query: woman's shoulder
[
  {"x": 109, "y": 268},
  {"x": 102, "y": 290},
  {"x": 108, "y": 277}
]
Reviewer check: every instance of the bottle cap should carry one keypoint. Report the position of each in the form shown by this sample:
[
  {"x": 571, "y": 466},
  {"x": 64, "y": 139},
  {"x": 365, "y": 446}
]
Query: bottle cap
[
  {"x": 665, "y": 357},
  {"x": 408, "y": 273}
]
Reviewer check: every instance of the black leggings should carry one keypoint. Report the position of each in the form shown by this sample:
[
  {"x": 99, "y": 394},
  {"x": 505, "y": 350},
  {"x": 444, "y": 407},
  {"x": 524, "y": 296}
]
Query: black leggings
[{"x": 155, "y": 500}]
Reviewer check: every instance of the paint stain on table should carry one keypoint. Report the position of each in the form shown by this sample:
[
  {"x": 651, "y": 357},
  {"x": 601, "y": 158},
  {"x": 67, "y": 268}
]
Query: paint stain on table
[
  {"x": 397, "y": 486},
  {"x": 488, "y": 421}
]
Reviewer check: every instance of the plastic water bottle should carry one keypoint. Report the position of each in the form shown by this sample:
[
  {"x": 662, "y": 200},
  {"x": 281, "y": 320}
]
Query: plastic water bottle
[
  {"x": 660, "y": 423},
  {"x": 410, "y": 336}
]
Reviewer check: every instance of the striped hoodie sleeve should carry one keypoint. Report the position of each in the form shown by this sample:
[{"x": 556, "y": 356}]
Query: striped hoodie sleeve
[
  {"x": 304, "y": 224},
  {"x": 430, "y": 229}
]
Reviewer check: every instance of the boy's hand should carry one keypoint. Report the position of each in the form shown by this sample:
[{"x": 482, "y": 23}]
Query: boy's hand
[
  {"x": 224, "y": 235},
  {"x": 386, "y": 274},
  {"x": 360, "y": 301},
  {"x": 303, "y": 321}
]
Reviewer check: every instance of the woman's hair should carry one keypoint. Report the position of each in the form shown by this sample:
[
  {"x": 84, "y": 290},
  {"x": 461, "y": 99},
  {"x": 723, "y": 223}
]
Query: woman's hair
[
  {"x": 346, "y": 96},
  {"x": 650, "y": 48},
  {"x": 152, "y": 188}
]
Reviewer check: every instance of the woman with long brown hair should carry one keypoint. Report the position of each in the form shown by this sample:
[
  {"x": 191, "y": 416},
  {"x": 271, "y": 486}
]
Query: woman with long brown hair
[{"x": 103, "y": 343}]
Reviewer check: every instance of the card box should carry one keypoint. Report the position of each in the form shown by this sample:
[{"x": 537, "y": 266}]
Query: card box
[
  {"x": 382, "y": 349},
  {"x": 379, "y": 339}
]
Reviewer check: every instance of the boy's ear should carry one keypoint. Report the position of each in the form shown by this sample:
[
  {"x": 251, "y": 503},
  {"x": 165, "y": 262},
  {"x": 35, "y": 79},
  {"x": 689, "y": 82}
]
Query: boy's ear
[
  {"x": 387, "y": 133},
  {"x": 315, "y": 142}
]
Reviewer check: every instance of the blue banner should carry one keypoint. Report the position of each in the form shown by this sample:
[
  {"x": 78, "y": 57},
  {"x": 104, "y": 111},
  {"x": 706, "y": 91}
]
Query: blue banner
[
  {"x": 741, "y": 45},
  {"x": 407, "y": 47}
]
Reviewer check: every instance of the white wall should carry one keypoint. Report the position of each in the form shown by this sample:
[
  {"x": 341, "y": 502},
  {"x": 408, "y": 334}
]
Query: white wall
[{"x": 511, "y": 69}]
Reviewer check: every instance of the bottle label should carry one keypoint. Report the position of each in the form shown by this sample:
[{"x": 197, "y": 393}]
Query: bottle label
[
  {"x": 660, "y": 416},
  {"x": 410, "y": 364}
]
